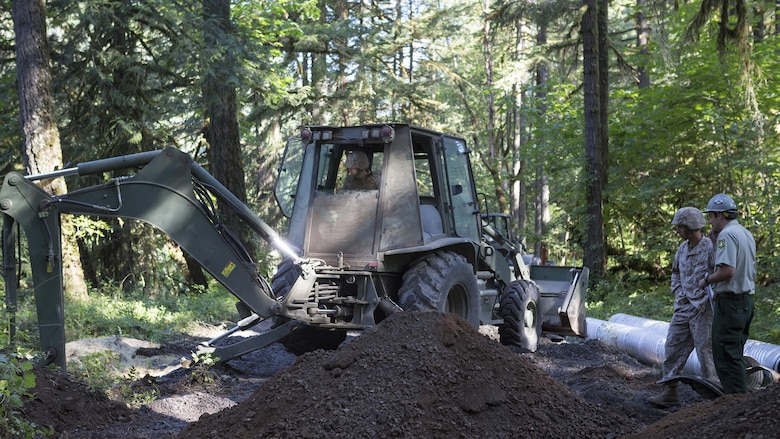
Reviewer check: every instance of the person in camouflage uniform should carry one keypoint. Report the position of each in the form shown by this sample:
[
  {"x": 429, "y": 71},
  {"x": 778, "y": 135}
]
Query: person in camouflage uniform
[
  {"x": 359, "y": 175},
  {"x": 691, "y": 325}
]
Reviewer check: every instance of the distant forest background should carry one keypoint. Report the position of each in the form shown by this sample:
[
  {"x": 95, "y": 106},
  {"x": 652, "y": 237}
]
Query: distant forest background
[{"x": 591, "y": 122}]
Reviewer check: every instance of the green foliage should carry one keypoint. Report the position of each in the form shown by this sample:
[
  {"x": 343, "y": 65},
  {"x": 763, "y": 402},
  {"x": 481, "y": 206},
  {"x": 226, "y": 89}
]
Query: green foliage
[
  {"x": 132, "y": 398},
  {"x": 677, "y": 143},
  {"x": 637, "y": 296},
  {"x": 117, "y": 69},
  {"x": 201, "y": 365},
  {"x": 764, "y": 325},
  {"x": 654, "y": 300},
  {"x": 98, "y": 369},
  {"x": 90, "y": 230},
  {"x": 158, "y": 318},
  {"x": 24, "y": 321},
  {"x": 16, "y": 381}
]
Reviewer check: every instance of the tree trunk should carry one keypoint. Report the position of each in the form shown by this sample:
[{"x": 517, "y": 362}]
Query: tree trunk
[
  {"x": 487, "y": 50},
  {"x": 542, "y": 203},
  {"x": 319, "y": 77},
  {"x": 595, "y": 257},
  {"x": 603, "y": 91},
  {"x": 602, "y": 152},
  {"x": 519, "y": 190},
  {"x": 496, "y": 157},
  {"x": 219, "y": 95},
  {"x": 42, "y": 150},
  {"x": 641, "y": 41}
]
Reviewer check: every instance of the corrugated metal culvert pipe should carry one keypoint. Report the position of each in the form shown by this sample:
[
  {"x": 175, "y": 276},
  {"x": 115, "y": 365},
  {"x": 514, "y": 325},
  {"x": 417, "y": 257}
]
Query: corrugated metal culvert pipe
[{"x": 644, "y": 340}]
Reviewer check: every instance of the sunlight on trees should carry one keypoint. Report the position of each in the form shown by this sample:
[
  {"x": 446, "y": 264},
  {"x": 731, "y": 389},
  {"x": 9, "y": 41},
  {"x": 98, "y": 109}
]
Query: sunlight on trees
[{"x": 507, "y": 75}]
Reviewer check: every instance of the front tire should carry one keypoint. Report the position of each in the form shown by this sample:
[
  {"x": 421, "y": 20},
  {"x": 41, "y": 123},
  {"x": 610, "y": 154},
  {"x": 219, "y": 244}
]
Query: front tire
[
  {"x": 518, "y": 307},
  {"x": 442, "y": 281}
]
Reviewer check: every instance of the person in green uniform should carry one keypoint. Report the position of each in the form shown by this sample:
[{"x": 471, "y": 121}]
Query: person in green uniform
[{"x": 733, "y": 283}]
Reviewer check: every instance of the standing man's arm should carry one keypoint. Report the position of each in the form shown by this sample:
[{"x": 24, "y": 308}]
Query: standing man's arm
[
  {"x": 676, "y": 281},
  {"x": 724, "y": 273}
]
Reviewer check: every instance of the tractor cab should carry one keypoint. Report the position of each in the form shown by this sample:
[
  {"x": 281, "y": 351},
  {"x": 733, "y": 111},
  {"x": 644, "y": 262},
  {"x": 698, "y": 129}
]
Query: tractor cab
[{"x": 423, "y": 192}]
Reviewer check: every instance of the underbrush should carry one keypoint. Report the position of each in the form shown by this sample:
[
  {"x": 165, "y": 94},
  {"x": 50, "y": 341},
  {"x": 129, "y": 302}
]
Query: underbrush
[
  {"x": 16, "y": 382},
  {"x": 638, "y": 297},
  {"x": 165, "y": 317},
  {"x": 159, "y": 319},
  {"x": 156, "y": 319}
]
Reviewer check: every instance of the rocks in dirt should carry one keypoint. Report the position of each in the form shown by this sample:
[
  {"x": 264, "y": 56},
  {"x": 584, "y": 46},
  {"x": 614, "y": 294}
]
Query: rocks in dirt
[
  {"x": 190, "y": 407},
  {"x": 129, "y": 352},
  {"x": 414, "y": 375}
]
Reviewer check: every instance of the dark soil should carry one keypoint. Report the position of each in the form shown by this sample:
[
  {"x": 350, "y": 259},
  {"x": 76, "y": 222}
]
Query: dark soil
[{"x": 415, "y": 375}]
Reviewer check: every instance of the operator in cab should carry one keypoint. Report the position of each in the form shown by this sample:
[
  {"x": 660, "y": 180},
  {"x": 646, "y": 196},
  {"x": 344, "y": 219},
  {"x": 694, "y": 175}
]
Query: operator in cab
[{"x": 359, "y": 175}]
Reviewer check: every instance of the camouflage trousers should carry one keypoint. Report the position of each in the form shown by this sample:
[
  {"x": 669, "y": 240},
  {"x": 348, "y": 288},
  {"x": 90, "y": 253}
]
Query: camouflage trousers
[{"x": 689, "y": 330}]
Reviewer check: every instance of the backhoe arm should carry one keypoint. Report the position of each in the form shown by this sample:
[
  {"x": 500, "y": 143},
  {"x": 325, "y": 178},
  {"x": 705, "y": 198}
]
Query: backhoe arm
[{"x": 170, "y": 192}]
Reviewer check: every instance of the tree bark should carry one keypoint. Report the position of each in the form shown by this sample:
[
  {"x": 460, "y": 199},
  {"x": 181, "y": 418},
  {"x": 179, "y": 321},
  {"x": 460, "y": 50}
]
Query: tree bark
[
  {"x": 642, "y": 31},
  {"x": 42, "y": 150},
  {"x": 219, "y": 94},
  {"x": 602, "y": 152},
  {"x": 542, "y": 201},
  {"x": 487, "y": 50},
  {"x": 603, "y": 92},
  {"x": 519, "y": 189},
  {"x": 595, "y": 254}
]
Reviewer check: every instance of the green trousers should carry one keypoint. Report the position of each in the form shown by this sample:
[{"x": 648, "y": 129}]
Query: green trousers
[{"x": 730, "y": 330}]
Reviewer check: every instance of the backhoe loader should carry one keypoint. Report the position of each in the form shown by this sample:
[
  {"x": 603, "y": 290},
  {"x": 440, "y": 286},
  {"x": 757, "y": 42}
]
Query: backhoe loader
[{"x": 417, "y": 242}]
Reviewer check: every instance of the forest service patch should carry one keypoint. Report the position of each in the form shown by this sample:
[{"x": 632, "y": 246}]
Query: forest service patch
[{"x": 721, "y": 243}]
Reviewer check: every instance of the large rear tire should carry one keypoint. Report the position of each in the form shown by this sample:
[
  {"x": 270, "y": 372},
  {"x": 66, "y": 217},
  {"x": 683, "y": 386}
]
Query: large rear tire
[
  {"x": 442, "y": 281},
  {"x": 518, "y": 307},
  {"x": 305, "y": 338},
  {"x": 287, "y": 272}
]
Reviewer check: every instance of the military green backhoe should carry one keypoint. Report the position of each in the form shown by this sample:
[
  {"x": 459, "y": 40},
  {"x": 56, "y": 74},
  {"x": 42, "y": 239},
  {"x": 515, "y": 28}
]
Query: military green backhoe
[{"x": 418, "y": 242}]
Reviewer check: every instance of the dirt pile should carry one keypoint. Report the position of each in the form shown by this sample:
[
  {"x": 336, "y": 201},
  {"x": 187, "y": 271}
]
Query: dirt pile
[
  {"x": 415, "y": 375},
  {"x": 752, "y": 416},
  {"x": 63, "y": 404},
  {"x": 72, "y": 410}
]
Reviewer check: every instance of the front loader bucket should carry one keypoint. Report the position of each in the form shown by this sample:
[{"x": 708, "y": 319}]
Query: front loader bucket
[{"x": 562, "y": 298}]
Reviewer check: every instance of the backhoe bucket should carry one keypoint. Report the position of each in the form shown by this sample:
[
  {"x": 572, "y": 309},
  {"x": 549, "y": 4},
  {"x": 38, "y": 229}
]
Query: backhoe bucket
[{"x": 562, "y": 298}]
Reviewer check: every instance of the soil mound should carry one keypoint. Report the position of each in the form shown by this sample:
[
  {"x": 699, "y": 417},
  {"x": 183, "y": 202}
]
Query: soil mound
[
  {"x": 755, "y": 415},
  {"x": 73, "y": 410},
  {"x": 414, "y": 375},
  {"x": 63, "y": 404}
]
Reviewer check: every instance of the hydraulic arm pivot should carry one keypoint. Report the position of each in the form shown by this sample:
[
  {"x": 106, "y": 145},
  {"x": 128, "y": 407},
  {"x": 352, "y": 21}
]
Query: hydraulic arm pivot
[{"x": 170, "y": 192}]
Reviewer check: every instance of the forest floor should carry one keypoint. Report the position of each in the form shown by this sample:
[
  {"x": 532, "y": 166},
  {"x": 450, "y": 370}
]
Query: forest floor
[{"x": 414, "y": 375}]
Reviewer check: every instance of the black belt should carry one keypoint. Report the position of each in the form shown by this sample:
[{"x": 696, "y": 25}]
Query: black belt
[{"x": 732, "y": 294}]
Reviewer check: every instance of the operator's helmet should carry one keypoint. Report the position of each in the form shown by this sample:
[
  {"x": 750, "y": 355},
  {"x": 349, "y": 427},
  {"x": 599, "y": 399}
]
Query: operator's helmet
[
  {"x": 721, "y": 203},
  {"x": 357, "y": 159},
  {"x": 689, "y": 217}
]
